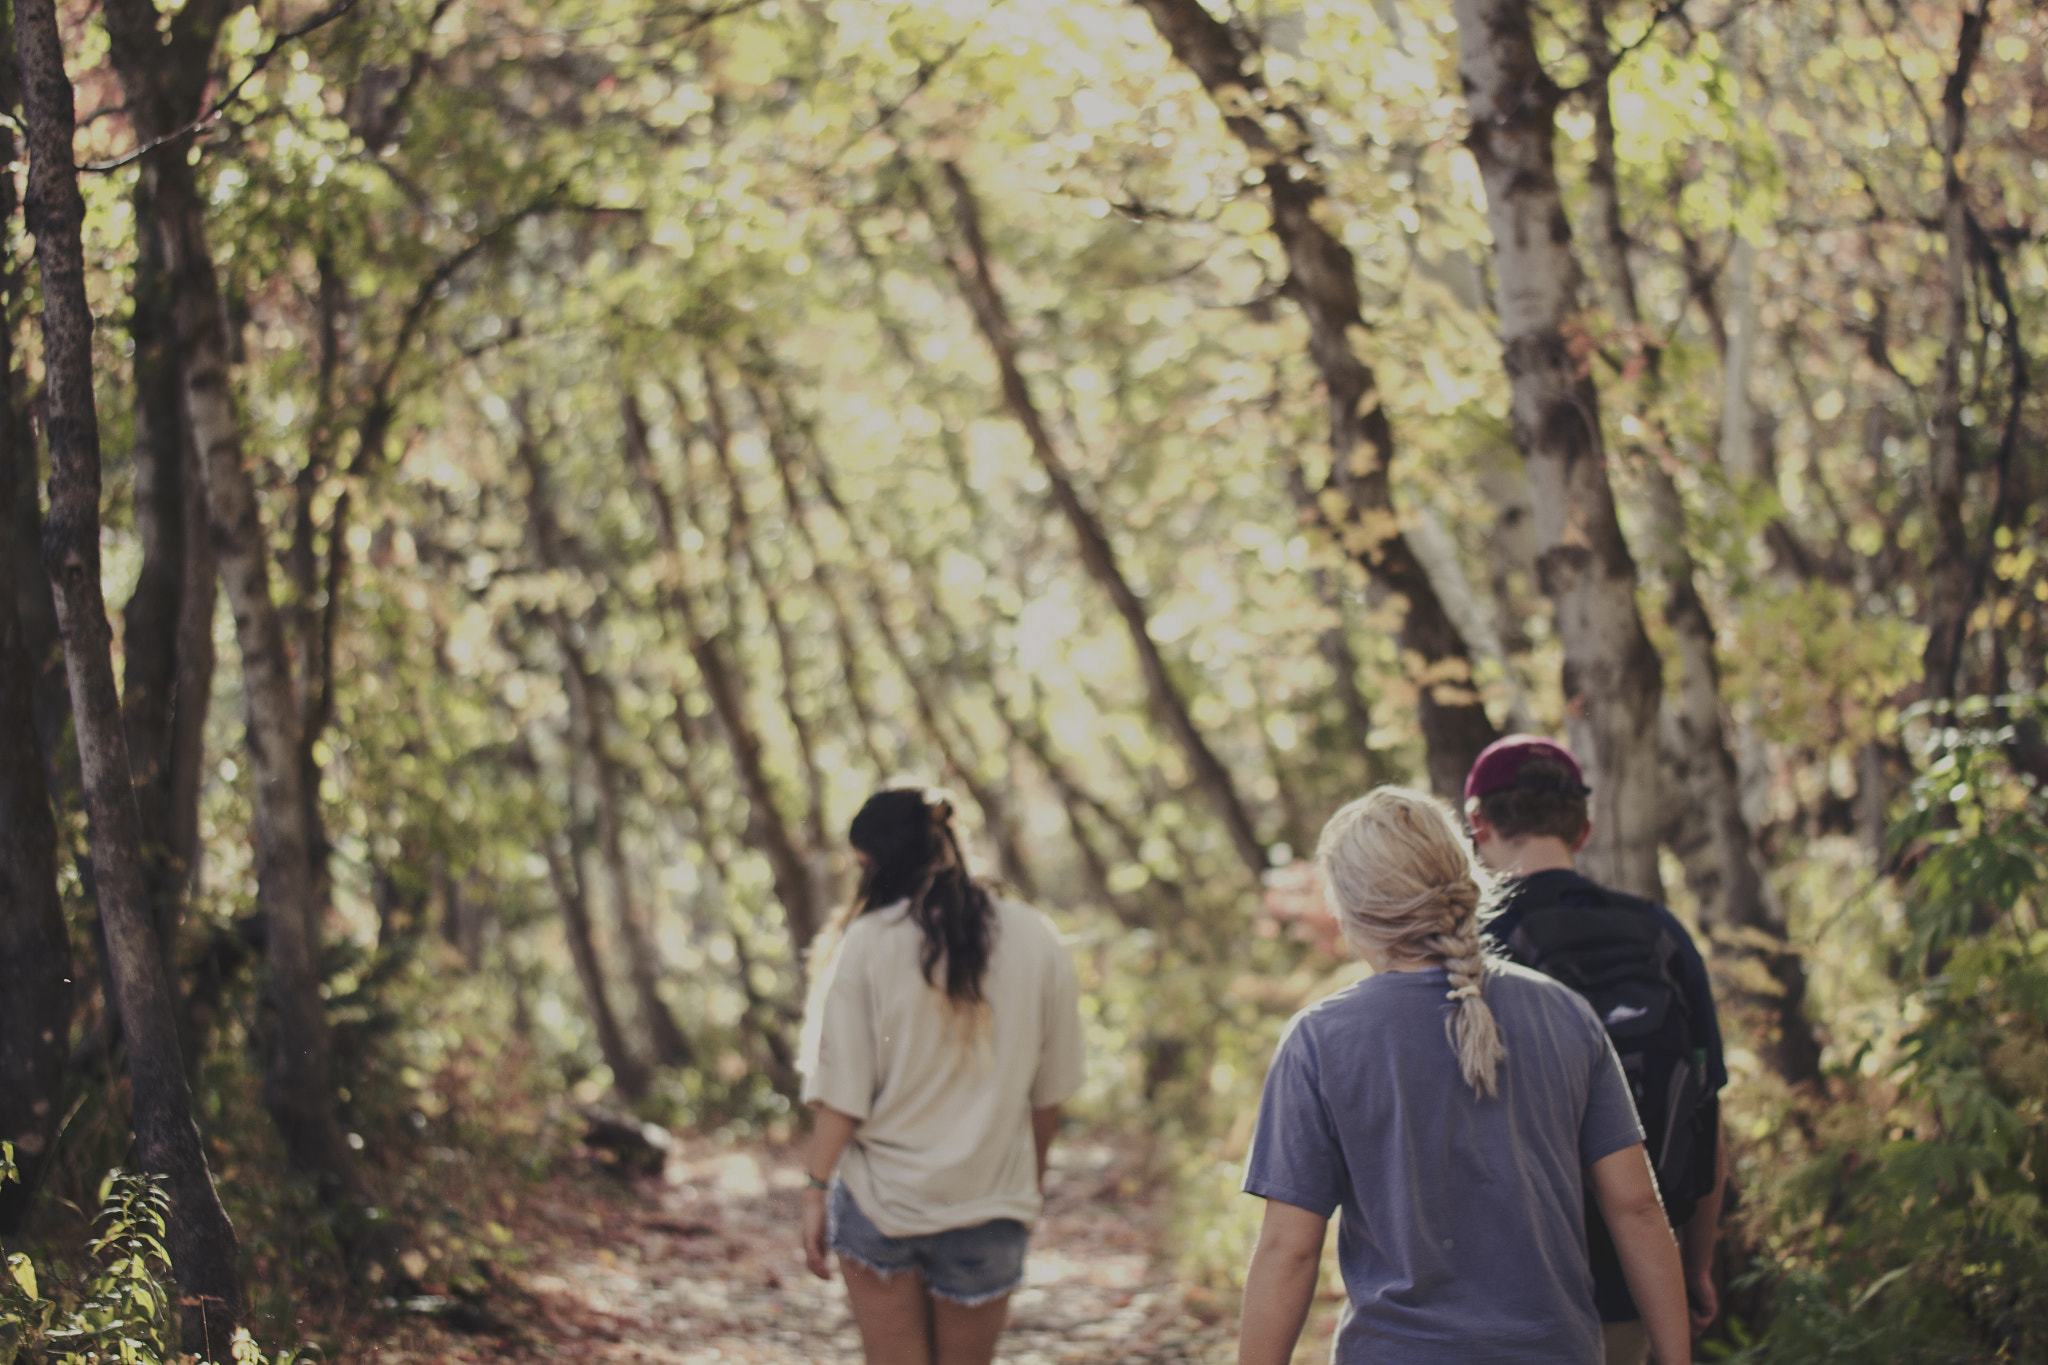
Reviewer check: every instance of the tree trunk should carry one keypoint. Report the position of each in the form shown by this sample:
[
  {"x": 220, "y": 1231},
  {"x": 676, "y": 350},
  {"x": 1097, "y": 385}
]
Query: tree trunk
[
  {"x": 35, "y": 947},
  {"x": 784, "y": 431},
  {"x": 760, "y": 1016},
  {"x": 1357, "y": 504},
  {"x": 151, "y": 634},
  {"x": 587, "y": 711},
  {"x": 629, "y": 1073},
  {"x": 978, "y": 286},
  {"x": 739, "y": 522},
  {"x": 1732, "y": 885},
  {"x": 298, "y": 1084},
  {"x": 306, "y": 616},
  {"x": 1611, "y": 679},
  {"x": 194, "y": 687},
  {"x": 1950, "y": 574},
  {"x": 643, "y": 966},
  {"x": 201, "y": 1241},
  {"x": 767, "y": 830}
]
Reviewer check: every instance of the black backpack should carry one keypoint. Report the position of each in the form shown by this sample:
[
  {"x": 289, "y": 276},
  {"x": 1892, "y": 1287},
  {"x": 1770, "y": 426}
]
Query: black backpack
[{"x": 1611, "y": 949}]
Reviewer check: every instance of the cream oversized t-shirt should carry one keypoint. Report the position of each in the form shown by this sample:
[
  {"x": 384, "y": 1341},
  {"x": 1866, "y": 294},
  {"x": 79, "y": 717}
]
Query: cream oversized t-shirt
[{"x": 944, "y": 1095}]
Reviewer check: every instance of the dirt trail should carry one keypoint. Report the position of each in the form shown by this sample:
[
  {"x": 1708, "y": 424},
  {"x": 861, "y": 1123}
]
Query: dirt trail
[{"x": 702, "y": 1265}]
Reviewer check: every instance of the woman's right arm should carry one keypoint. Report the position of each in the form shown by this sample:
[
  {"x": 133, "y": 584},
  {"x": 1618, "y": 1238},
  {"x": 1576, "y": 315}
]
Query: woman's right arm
[
  {"x": 1281, "y": 1283},
  {"x": 830, "y": 1132},
  {"x": 1045, "y": 1126},
  {"x": 1626, "y": 1192}
]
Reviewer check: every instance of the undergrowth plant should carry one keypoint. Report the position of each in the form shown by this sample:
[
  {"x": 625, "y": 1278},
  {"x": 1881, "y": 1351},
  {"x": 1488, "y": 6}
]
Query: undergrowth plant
[
  {"x": 125, "y": 1309},
  {"x": 1918, "y": 1231}
]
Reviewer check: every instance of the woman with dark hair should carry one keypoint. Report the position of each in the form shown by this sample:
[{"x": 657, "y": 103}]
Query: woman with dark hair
[{"x": 942, "y": 1036}]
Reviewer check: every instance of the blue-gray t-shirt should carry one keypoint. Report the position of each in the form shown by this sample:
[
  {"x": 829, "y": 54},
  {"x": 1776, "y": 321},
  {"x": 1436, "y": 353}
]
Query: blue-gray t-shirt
[{"x": 1463, "y": 1236}]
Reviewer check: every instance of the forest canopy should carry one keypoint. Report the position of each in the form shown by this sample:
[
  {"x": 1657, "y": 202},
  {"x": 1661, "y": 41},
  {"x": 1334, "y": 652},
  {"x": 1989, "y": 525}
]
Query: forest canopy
[{"x": 493, "y": 485}]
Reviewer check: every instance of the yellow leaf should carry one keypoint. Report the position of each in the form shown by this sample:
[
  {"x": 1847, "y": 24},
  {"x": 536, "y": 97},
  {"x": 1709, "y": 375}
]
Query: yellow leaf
[{"x": 24, "y": 1272}]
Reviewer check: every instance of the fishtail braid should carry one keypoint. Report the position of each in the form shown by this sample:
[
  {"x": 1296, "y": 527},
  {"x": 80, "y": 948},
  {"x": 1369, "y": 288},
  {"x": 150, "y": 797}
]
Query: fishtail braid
[{"x": 1399, "y": 874}]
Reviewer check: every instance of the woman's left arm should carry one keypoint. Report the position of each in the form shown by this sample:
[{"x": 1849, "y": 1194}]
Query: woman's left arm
[{"x": 830, "y": 1132}]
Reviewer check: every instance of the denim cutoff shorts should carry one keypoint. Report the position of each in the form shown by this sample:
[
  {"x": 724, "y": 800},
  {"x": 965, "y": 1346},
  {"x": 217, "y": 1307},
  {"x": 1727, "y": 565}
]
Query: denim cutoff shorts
[{"x": 967, "y": 1266}]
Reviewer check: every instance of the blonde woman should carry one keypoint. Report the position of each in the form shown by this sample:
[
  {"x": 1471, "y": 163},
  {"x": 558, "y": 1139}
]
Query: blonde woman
[
  {"x": 941, "y": 1040},
  {"x": 1458, "y": 1110}
]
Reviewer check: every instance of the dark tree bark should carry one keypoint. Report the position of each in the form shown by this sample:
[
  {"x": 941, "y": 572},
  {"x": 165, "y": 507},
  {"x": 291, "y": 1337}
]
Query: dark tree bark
[
  {"x": 298, "y": 1084},
  {"x": 1612, "y": 676},
  {"x": 767, "y": 828},
  {"x": 193, "y": 689},
  {"x": 969, "y": 264},
  {"x": 1322, "y": 280},
  {"x": 629, "y": 1073},
  {"x": 762, "y": 1018},
  {"x": 741, "y": 544},
  {"x": 202, "y": 1243},
  {"x": 1951, "y": 580},
  {"x": 151, "y": 623},
  {"x": 35, "y": 949},
  {"x": 588, "y": 714},
  {"x": 777, "y": 421},
  {"x": 168, "y": 662},
  {"x": 1333, "y": 642},
  {"x": 305, "y": 610}
]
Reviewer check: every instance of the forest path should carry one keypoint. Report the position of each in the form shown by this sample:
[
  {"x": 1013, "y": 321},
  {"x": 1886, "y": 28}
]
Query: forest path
[{"x": 702, "y": 1265}]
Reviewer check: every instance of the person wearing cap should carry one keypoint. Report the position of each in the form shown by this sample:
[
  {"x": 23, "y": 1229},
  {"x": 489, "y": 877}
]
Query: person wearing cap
[{"x": 1525, "y": 800}]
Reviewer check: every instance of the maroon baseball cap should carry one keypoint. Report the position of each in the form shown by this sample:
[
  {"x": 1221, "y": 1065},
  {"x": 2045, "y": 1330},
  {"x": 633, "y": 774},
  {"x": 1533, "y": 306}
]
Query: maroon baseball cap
[{"x": 1499, "y": 768}]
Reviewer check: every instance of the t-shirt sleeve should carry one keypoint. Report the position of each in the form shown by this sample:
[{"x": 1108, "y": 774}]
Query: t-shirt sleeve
[
  {"x": 839, "y": 1039},
  {"x": 1295, "y": 1156},
  {"x": 1610, "y": 1123},
  {"x": 1061, "y": 1065}
]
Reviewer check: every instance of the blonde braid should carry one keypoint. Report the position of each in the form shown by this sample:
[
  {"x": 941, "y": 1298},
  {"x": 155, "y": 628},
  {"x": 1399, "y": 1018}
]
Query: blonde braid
[{"x": 1401, "y": 878}]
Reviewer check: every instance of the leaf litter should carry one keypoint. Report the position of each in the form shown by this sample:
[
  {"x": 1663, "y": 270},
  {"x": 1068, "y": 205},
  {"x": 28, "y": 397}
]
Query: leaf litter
[{"x": 702, "y": 1265}]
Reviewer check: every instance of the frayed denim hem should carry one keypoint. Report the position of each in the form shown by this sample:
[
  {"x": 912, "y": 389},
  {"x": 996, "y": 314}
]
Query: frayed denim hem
[
  {"x": 964, "y": 1300},
  {"x": 975, "y": 1300},
  {"x": 879, "y": 1272}
]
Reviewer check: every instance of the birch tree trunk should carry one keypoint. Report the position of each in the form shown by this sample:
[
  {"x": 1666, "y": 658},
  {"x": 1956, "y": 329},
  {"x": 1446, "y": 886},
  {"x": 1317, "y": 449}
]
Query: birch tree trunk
[
  {"x": 1703, "y": 783},
  {"x": 1611, "y": 679},
  {"x": 35, "y": 947},
  {"x": 298, "y": 1085},
  {"x": 1358, "y": 503},
  {"x": 991, "y": 316},
  {"x": 201, "y": 1241}
]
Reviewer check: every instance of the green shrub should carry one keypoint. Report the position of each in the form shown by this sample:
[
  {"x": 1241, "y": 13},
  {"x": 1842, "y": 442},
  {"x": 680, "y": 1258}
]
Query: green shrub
[
  {"x": 124, "y": 1310},
  {"x": 1918, "y": 1232}
]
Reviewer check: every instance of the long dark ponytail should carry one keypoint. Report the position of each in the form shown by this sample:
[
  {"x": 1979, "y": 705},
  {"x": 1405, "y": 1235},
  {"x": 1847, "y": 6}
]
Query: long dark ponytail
[{"x": 912, "y": 854}]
